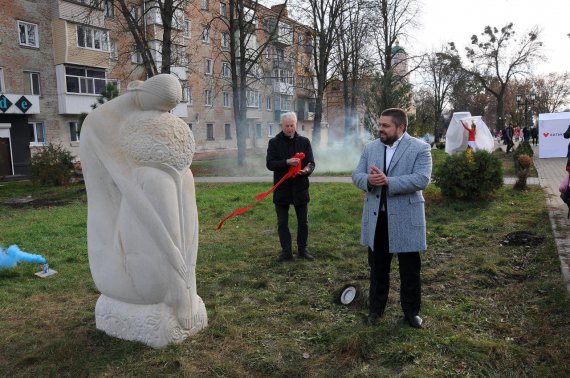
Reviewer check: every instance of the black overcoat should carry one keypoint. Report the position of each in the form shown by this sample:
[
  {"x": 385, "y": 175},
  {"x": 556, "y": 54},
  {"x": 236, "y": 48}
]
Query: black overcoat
[{"x": 293, "y": 191}]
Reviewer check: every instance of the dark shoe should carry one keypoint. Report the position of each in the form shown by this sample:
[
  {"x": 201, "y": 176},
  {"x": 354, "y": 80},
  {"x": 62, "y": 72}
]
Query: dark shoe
[
  {"x": 285, "y": 256},
  {"x": 306, "y": 255},
  {"x": 414, "y": 321},
  {"x": 372, "y": 318}
]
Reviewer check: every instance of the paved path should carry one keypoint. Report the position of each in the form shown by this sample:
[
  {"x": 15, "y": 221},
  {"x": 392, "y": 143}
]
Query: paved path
[{"x": 550, "y": 174}]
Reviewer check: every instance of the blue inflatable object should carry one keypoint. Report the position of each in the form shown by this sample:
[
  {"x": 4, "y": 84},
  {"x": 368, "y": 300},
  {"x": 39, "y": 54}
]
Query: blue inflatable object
[{"x": 10, "y": 257}]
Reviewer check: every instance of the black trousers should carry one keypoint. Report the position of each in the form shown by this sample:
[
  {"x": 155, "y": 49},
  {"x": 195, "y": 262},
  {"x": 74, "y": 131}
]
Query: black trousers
[
  {"x": 283, "y": 227},
  {"x": 380, "y": 260}
]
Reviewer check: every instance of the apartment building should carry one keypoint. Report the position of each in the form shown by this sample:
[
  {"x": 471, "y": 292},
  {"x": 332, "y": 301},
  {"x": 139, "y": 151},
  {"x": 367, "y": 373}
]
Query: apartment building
[{"x": 58, "y": 55}]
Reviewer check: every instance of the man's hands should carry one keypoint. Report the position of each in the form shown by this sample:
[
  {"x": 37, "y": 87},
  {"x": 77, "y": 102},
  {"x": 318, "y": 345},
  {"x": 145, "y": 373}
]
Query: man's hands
[
  {"x": 296, "y": 161},
  {"x": 377, "y": 177},
  {"x": 293, "y": 161}
]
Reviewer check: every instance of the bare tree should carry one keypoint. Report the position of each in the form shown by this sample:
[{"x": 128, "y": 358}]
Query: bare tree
[
  {"x": 441, "y": 71},
  {"x": 351, "y": 61},
  {"x": 552, "y": 92},
  {"x": 392, "y": 19},
  {"x": 323, "y": 16},
  {"x": 157, "y": 52},
  {"x": 252, "y": 30},
  {"x": 497, "y": 58}
]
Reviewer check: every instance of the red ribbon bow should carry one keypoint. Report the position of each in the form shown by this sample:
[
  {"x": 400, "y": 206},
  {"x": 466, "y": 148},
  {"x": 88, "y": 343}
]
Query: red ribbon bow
[{"x": 292, "y": 172}]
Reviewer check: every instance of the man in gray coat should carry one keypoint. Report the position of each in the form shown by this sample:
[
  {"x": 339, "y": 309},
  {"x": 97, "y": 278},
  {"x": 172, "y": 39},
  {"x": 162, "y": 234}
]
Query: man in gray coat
[{"x": 393, "y": 171}]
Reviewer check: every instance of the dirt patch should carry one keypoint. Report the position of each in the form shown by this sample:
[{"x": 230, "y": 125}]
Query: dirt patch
[{"x": 522, "y": 238}]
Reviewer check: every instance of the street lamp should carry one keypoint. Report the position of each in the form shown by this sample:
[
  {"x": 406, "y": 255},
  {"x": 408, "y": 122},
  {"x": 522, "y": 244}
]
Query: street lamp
[{"x": 527, "y": 102}]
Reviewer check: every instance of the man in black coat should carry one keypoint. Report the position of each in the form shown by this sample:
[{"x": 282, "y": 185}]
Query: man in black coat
[
  {"x": 293, "y": 191},
  {"x": 508, "y": 134},
  {"x": 534, "y": 135}
]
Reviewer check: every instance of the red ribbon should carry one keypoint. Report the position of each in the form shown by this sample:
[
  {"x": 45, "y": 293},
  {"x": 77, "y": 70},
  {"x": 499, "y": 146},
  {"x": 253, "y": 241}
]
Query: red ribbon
[{"x": 292, "y": 172}]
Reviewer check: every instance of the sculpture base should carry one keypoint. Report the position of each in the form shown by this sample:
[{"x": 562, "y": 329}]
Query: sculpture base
[{"x": 154, "y": 325}]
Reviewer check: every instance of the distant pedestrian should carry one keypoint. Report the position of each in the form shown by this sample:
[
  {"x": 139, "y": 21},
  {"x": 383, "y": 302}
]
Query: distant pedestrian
[
  {"x": 508, "y": 137},
  {"x": 534, "y": 135},
  {"x": 526, "y": 134}
]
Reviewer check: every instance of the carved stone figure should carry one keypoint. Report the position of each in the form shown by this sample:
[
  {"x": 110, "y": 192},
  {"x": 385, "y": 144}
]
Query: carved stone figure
[{"x": 142, "y": 217}]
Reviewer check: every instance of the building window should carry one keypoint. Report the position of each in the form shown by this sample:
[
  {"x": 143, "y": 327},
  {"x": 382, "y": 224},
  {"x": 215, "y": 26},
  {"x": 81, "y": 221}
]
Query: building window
[
  {"x": 37, "y": 133},
  {"x": 223, "y": 10},
  {"x": 109, "y": 9},
  {"x": 257, "y": 130},
  {"x": 137, "y": 55},
  {"x": 228, "y": 130},
  {"x": 206, "y": 34},
  {"x": 270, "y": 130},
  {"x": 252, "y": 99},
  {"x": 91, "y": 38},
  {"x": 85, "y": 80},
  {"x": 226, "y": 97},
  {"x": 32, "y": 80},
  {"x": 225, "y": 40},
  {"x": 208, "y": 66},
  {"x": 207, "y": 97},
  {"x": 113, "y": 50},
  {"x": 28, "y": 34},
  {"x": 135, "y": 14},
  {"x": 209, "y": 131},
  {"x": 187, "y": 94},
  {"x": 286, "y": 103},
  {"x": 226, "y": 71},
  {"x": 74, "y": 131},
  {"x": 2, "y": 88},
  {"x": 187, "y": 27},
  {"x": 268, "y": 103},
  {"x": 205, "y": 4}
]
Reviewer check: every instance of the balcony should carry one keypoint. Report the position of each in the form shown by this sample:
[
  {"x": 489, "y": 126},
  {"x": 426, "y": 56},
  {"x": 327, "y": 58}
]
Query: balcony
[
  {"x": 77, "y": 93},
  {"x": 283, "y": 88}
]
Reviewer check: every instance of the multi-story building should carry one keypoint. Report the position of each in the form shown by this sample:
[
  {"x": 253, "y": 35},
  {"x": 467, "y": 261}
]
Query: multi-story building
[{"x": 58, "y": 55}]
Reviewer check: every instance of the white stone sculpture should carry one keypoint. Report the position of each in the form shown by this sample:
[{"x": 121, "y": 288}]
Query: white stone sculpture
[{"x": 142, "y": 217}]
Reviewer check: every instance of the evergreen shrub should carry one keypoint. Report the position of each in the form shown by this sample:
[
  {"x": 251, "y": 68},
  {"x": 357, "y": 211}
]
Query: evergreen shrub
[
  {"x": 524, "y": 148},
  {"x": 53, "y": 165},
  {"x": 469, "y": 176}
]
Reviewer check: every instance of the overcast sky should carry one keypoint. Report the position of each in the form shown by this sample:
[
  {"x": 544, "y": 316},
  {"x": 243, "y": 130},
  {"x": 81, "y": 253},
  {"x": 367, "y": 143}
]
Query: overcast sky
[{"x": 456, "y": 20}]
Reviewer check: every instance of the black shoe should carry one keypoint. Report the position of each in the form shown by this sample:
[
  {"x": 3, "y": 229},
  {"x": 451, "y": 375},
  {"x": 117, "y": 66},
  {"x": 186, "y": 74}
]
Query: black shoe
[
  {"x": 285, "y": 256},
  {"x": 372, "y": 318},
  {"x": 306, "y": 255},
  {"x": 414, "y": 321}
]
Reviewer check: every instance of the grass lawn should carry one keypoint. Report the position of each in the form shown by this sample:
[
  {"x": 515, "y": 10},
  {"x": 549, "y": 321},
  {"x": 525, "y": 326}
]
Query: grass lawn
[{"x": 490, "y": 310}]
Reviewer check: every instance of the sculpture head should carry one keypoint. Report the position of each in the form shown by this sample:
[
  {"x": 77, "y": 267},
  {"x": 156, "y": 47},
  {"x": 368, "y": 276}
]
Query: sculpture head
[{"x": 161, "y": 92}]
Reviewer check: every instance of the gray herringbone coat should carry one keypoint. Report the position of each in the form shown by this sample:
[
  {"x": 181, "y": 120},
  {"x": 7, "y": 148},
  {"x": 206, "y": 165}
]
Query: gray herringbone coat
[{"x": 409, "y": 173}]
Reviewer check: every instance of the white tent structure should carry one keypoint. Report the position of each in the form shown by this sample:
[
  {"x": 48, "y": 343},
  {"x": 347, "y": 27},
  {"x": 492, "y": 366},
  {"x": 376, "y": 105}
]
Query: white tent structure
[
  {"x": 551, "y": 127},
  {"x": 456, "y": 137}
]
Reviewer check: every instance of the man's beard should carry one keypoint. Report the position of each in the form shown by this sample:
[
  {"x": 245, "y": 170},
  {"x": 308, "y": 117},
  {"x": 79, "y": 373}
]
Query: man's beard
[{"x": 388, "y": 140}]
